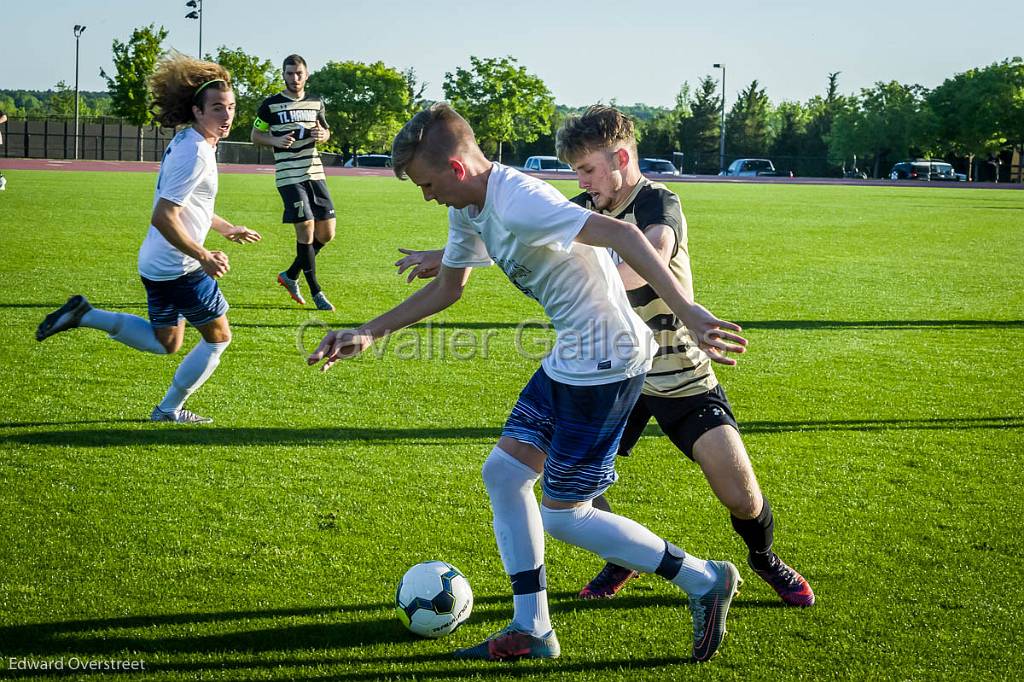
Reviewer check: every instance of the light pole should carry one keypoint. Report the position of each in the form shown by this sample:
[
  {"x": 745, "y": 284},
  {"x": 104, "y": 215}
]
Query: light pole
[
  {"x": 721, "y": 142},
  {"x": 79, "y": 30},
  {"x": 197, "y": 13}
]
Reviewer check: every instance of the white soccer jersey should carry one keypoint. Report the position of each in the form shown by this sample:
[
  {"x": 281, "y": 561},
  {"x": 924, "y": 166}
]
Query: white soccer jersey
[
  {"x": 528, "y": 228},
  {"x": 188, "y": 178}
]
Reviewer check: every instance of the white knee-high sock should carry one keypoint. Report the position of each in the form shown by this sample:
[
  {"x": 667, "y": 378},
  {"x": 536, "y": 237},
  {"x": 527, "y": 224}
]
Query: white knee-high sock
[
  {"x": 520, "y": 534},
  {"x": 131, "y": 330},
  {"x": 627, "y": 543},
  {"x": 193, "y": 371}
]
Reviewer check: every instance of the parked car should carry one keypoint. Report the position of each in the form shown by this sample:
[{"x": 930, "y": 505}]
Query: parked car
[
  {"x": 658, "y": 167},
  {"x": 369, "y": 161},
  {"x": 925, "y": 170},
  {"x": 547, "y": 164},
  {"x": 750, "y": 168}
]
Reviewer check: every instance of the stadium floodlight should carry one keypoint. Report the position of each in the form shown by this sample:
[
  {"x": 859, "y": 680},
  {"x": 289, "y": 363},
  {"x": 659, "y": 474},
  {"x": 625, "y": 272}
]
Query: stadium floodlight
[
  {"x": 721, "y": 141},
  {"x": 197, "y": 13},
  {"x": 79, "y": 30}
]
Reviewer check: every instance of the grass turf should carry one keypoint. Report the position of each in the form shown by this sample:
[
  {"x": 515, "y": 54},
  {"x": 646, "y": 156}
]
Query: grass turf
[{"x": 880, "y": 402}]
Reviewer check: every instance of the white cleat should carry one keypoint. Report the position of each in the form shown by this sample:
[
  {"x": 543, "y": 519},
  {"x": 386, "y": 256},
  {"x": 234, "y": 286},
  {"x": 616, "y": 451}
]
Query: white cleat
[{"x": 182, "y": 416}]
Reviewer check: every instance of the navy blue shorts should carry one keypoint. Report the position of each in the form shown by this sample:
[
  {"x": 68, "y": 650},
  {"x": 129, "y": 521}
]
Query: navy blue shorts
[
  {"x": 306, "y": 200},
  {"x": 578, "y": 427},
  {"x": 194, "y": 296}
]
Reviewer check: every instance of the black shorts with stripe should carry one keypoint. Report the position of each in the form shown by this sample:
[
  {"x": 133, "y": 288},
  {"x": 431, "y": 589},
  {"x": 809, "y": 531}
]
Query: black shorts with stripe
[
  {"x": 306, "y": 200},
  {"x": 683, "y": 420}
]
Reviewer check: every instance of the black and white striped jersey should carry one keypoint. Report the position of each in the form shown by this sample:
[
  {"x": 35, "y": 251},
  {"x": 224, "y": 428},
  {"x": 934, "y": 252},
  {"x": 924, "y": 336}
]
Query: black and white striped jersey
[{"x": 280, "y": 115}]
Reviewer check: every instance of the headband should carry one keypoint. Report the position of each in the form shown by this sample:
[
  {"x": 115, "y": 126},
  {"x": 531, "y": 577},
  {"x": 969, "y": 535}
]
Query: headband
[{"x": 200, "y": 88}]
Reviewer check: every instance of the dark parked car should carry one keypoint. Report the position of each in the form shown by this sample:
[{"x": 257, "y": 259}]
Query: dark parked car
[
  {"x": 658, "y": 167},
  {"x": 924, "y": 170},
  {"x": 750, "y": 168},
  {"x": 369, "y": 161}
]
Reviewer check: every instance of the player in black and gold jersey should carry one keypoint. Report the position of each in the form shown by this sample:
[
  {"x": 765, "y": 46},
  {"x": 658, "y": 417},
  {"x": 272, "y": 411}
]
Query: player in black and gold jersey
[
  {"x": 681, "y": 391},
  {"x": 293, "y": 122}
]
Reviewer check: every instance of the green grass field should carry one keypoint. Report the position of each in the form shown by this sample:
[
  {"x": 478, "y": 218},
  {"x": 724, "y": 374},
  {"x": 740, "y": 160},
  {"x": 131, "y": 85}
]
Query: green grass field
[{"x": 881, "y": 402}]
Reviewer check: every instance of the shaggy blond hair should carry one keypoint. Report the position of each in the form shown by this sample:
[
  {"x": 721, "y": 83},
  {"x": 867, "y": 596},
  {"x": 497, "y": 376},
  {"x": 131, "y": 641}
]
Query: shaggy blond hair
[
  {"x": 179, "y": 82},
  {"x": 434, "y": 134},
  {"x": 599, "y": 127}
]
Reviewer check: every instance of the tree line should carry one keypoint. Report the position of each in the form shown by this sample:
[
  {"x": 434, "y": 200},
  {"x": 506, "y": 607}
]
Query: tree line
[{"x": 971, "y": 118}]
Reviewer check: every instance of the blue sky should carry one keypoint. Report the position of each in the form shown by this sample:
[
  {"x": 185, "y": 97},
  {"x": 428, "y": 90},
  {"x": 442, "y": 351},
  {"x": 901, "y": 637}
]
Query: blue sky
[{"x": 587, "y": 52}]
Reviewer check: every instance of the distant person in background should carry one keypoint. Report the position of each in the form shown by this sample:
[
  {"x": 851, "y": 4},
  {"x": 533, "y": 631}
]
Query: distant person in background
[
  {"x": 3, "y": 120},
  {"x": 292, "y": 122},
  {"x": 176, "y": 269}
]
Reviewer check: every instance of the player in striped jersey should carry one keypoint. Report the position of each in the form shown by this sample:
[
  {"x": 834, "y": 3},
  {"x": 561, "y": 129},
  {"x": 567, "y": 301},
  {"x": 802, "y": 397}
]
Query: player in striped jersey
[
  {"x": 293, "y": 122},
  {"x": 681, "y": 391}
]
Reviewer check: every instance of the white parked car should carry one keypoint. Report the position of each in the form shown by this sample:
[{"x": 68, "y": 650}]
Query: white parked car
[{"x": 547, "y": 164}]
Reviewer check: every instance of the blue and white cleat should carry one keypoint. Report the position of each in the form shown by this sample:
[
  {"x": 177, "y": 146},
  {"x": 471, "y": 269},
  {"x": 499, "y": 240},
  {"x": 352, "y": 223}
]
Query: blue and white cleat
[
  {"x": 182, "y": 416},
  {"x": 322, "y": 303},
  {"x": 710, "y": 609},
  {"x": 292, "y": 287},
  {"x": 512, "y": 644}
]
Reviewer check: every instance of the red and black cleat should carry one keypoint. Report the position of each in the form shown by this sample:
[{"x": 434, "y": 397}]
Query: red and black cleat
[
  {"x": 790, "y": 585},
  {"x": 608, "y": 582}
]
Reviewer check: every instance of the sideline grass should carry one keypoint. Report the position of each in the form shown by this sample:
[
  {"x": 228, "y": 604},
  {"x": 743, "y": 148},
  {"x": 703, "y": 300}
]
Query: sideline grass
[{"x": 880, "y": 401}]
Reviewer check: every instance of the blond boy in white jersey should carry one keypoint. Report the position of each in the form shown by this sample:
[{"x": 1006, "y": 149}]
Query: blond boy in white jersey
[{"x": 568, "y": 421}]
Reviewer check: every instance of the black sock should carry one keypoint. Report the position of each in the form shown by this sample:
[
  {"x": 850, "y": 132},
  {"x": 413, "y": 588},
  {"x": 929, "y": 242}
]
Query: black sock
[
  {"x": 303, "y": 255},
  {"x": 317, "y": 245},
  {"x": 758, "y": 533},
  {"x": 310, "y": 270}
]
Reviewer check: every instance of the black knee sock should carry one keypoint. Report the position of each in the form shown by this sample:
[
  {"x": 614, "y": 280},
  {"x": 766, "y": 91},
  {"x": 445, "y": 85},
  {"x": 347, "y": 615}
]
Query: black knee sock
[
  {"x": 317, "y": 245},
  {"x": 758, "y": 533},
  {"x": 309, "y": 270},
  {"x": 303, "y": 255}
]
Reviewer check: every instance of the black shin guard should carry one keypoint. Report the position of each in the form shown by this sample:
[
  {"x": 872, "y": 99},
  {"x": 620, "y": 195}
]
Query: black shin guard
[{"x": 529, "y": 582}]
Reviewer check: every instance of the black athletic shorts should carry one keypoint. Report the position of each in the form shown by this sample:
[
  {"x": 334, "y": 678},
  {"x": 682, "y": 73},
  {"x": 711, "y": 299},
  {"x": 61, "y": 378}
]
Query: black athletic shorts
[
  {"x": 307, "y": 200},
  {"x": 683, "y": 420}
]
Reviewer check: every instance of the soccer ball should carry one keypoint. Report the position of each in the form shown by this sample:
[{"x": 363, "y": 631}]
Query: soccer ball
[{"x": 433, "y": 599}]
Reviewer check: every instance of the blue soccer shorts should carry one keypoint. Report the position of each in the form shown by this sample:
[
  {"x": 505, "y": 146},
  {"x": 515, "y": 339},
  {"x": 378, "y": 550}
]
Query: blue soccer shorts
[
  {"x": 194, "y": 296},
  {"x": 578, "y": 427}
]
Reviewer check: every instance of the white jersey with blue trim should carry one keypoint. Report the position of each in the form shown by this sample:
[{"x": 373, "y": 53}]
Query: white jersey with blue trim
[
  {"x": 529, "y": 229},
  {"x": 188, "y": 178}
]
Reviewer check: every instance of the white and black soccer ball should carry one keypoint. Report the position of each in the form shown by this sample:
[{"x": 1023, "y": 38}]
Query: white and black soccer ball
[{"x": 433, "y": 598}]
